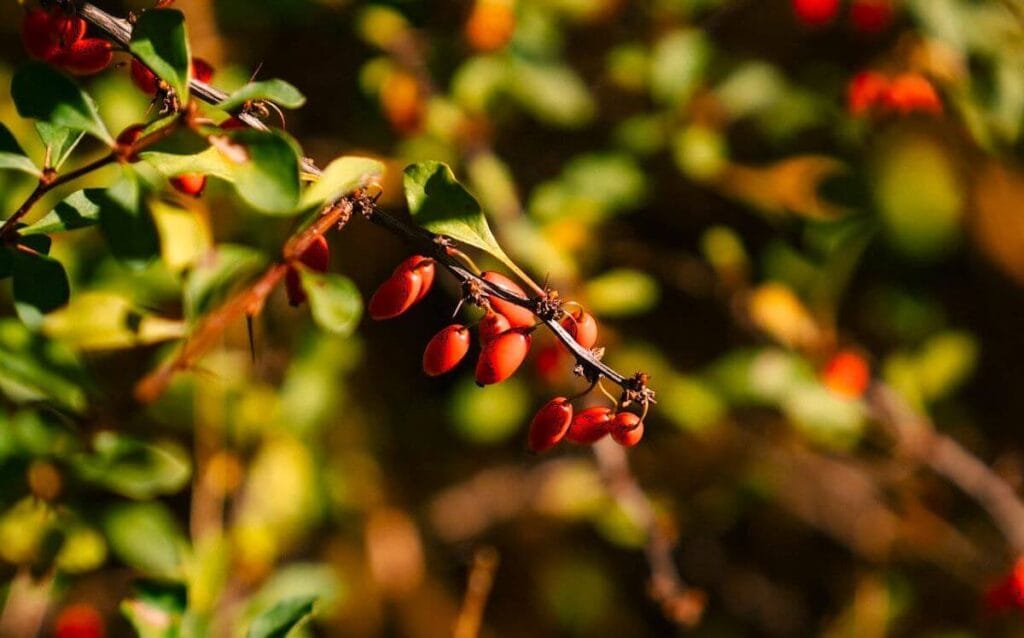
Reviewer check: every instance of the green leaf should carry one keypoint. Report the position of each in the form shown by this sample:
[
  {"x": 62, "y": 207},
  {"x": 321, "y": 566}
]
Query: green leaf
[
  {"x": 59, "y": 140},
  {"x": 277, "y": 91},
  {"x": 553, "y": 93},
  {"x": 40, "y": 286},
  {"x": 440, "y": 204},
  {"x": 207, "y": 162},
  {"x": 42, "y": 93},
  {"x": 160, "y": 40},
  {"x": 266, "y": 170},
  {"x": 156, "y": 608},
  {"x": 679, "y": 62},
  {"x": 333, "y": 299},
  {"x": 126, "y": 222},
  {"x": 341, "y": 177},
  {"x": 38, "y": 243},
  {"x": 34, "y": 369},
  {"x": 11, "y": 155},
  {"x": 277, "y": 621},
  {"x": 146, "y": 537},
  {"x": 133, "y": 468},
  {"x": 217, "y": 276},
  {"x": 78, "y": 210},
  {"x": 622, "y": 292},
  {"x": 106, "y": 320}
]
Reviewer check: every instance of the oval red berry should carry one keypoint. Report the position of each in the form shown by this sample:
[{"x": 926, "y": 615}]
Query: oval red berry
[
  {"x": 492, "y": 325},
  {"x": 425, "y": 267},
  {"x": 396, "y": 295},
  {"x": 501, "y": 357},
  {"x": 88, "y": 56},
  {"x": 317, "y": 255},
  {"x": 590, "y": 425},
  {"x": 550, "y": 425},
  {"x": 518, "y": 317},
  {"x": 446, "y": 350},
  {"x": 627, "y": 429},
  {"x": 582, "y": 327},
  {"x": 202, "y": 70},
  {"x": 191, "y": 184},
  {"x": 144, "y": 79},
  {"x": 38, "y": 37}
]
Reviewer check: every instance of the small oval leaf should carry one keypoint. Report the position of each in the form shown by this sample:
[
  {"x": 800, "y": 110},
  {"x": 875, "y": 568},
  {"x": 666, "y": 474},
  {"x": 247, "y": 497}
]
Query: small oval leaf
[
  {"x": 42, "y": 93},
  {"x": 277, "y": 91},
  {"x": 160, "y": 41}
]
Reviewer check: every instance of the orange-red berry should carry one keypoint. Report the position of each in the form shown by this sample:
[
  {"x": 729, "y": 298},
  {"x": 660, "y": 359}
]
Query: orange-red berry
[
  {"x": 492, "y": 325},
  {"x": 191, "y": 184},
  {"x": 871, "y": 16},
  {"x": 202, "y": 70},
  {"x": 1008, "y": 592},
  {"x": 425, "y": 267},
  {"x": 144, "y": 79},
  {"x": 865, "y": 92},
  {"x": 491, "y": 24},
  {"x": 582, "y": 327},
  {"x": 816, "y": 13},
  {"x": 847, "y": 374},
  {"x": 549, "y": 425},
  {"x": 87, "y": 56},
  {"x": 627, "y": 429},
  {"x": 446, "y": 350},
  {"x": 396, "y": 295},
  {"x": 79, "y": 621},
  {"x": 502, "y": 356},
  {"x": 518, "y": 317},
  {"x": 912, "y": 92},
  {"x": 590, "y": 425}
]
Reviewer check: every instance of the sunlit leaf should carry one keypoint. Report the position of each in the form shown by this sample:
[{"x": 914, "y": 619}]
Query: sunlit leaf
[
  {"x": 134, "y": 468},
  {"x": 160, "y": 40},
  {"x": 78, "y": 210},
  {"x": 146, "y": 537},
  {"x": 341, "y": 177},
  {"x": 280, "y": 619},
  {"x": 333, "y": 299},
  {"x": 11, "y": 155},
  {"x": 265, "y": 166},
  {"x": 209, "y": 162},
  {"x": 60, "y": 141},
  {"x": 107, "y": 321},
  {"x": 277, "y": 91}
]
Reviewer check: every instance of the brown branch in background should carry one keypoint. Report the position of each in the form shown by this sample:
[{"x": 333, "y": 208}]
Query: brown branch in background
[
  {"x": 916, "y": 437},
  {"x": 680, "y": 603},
  {"x": 25, "y": 608},
  {"x": 478, "y": 590}
]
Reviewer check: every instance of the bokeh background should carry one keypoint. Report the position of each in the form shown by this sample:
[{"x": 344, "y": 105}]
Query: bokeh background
[{"x": 698, "y": 175}]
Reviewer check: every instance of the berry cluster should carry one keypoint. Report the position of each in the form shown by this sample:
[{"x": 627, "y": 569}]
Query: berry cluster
[
  {"x": 59, "y": 39},
  {"x": 505, "y": 338},
  {"x": 871, "y": 92},
  {"x": 866, "y": 16}
]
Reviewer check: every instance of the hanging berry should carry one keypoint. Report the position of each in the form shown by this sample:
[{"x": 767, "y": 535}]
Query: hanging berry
[
  {"x": 492, "y": 325},
  {"x": 518, "y": 317},
  {"x": 582, "y": 327},
  {"x": 191, "y": 184},
  {"x": 396, "y": 295},
  {"x": 590, "y": 425},
  {"x": 549, "y": 425},
  {"x": 316, "y": 257},
  {"x": 502, "y": 356},
  {"x": 627, "y": 429},
  {"x": 446, "y": 350}
]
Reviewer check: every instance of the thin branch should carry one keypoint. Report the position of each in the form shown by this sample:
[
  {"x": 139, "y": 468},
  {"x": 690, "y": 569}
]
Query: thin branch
[{"x": 478, "y": 589}]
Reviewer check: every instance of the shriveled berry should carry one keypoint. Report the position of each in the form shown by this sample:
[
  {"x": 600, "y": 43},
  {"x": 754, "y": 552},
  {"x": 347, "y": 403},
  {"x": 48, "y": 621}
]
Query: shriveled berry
[
  {"x": 144, "y": 79},
  {"x": 396, "y": 295},
  {"x": 518, "y": 317},
  {"x": 582, "y": 327},
  {"x": 446, "y": 350},
  {"x": 37, "y": 35},
  {"x": 816, "y": 13},
  {"x": 191, "y": 184},
  {"x": 202, "y": 70},
  {"x": 627, "y": 429},
  {"x": 87, "y": 56},
  {"x": 492, "y": 325},
  {"x": 590, "y": 425},
  {"x": 425, "y": 267},
  {"x": 502, "y": 356},
  {"x": 549, "y": 425},
  {"x": 847, "y": 374}
]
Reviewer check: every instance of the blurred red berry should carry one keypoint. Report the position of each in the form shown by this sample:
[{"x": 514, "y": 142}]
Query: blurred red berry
[
  {"x": 518, "y": 317},
  {"x": 191, "y": 184},
  {"x": 502, "y": 356},
  {"x": 582, "y": 327},
  {"x": 1008, "y": 592},
  {"x": 847, "y": 374},
  {"x": 816, "y": 13},
  {"x": 317, "y": 256},
  {"x": 627, "y": 429},
  {"x": 590, "y": 425},
  {"x": 549, "y": 425},
  {"x": 550, "y": 362},
  {"x": 866, "y": 91},
  {"x": 446, "y": 350},
  {"x": 202, "y": 70},
  {"x": 492, "y": 325},
  {"x": 79, "y": 621},
  {"x": 871, "y": 16},
  {"x": 144, "y": 79},
  {"x": 912, "y": 92},
  {"x": 396, "y": 295},
  {"x": 38, "y": 37},
  {"x": 87, "y": 56}
]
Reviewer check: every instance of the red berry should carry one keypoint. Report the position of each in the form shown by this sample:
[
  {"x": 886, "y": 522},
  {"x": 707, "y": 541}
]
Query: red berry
[
  {"x": 191, "y": 184},
  {"x": 847, "y": 374},
  {"x": 550, "y": 363},
  {"x": 590, "y": 425},
  {"x": 317, "y": 255},
  {"x": 816, "y": 13},
  {"x": 627, "y": 429},
  {"x": 233, "y": 123},
  {"x": 549, "y": 425},
  {"x": 582, "y": 327},
  {"x": 865, "y": 91},
  {"x": 425, "y": 267},
  {"x": 79, "y": 621},
  {"x": 37, "y": 35},
  {"x": 446, "y": 350},
  {"x": 1008, "y": 592},
  {"x": 144, "y": 78},
  {"x": 131, "y": 134},
  {"x": 293, "y": 287},
  {"x": 871, "y": 16},
  {"x": 492, "y": 325},
  {"x": 87, "y": 56},
  {"x": 912, "y": 92},
  {"x": 518, "y": 317},
  {"x": 502, "y": 356},
  {"x": 67, "y": 30},
  {"x": 202, "y": 70},
  {"x": 396, "y": 295}
]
